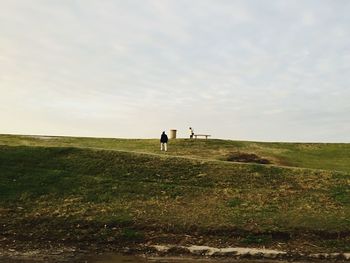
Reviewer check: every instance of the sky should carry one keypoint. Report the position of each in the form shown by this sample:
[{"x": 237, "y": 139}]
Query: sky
[{"x": 276, "y": 70}]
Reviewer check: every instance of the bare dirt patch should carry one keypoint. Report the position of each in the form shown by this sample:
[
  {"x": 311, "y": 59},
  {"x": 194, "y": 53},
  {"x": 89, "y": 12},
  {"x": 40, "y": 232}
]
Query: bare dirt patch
[{"x": 246, "y": 158}]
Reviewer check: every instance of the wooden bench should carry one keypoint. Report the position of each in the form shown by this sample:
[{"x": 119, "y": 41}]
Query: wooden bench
[{"x": 201, "y": 135}]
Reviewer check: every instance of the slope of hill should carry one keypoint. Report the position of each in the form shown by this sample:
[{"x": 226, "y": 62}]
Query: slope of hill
[
  {"x": 327, "y": 156},
  {"x": 71, "y": 194}
]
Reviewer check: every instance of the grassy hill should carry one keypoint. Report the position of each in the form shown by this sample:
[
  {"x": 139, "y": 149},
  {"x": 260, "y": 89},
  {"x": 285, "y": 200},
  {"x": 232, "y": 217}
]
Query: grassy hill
[
  {"x": 328, "y": 156},
  {"x": 117, "y": 190}
]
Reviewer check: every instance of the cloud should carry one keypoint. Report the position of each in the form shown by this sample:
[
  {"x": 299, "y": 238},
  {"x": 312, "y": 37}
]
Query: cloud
[{"x": 237, "y": 69}]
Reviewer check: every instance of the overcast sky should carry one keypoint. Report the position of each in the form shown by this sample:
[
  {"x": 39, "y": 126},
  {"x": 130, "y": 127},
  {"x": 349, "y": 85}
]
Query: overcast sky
[{"x": 274, "y": 70}]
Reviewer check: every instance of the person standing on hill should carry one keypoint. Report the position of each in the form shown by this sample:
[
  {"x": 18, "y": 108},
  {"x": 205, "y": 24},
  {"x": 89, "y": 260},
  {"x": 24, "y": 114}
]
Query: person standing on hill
[
  {"x": 163, "y": 142},
  {"x": 191, "y": 133}
]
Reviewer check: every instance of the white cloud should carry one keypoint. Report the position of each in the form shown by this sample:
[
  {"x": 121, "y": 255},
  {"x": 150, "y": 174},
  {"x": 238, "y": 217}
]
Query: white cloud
[{"x": 236, "y": 69}]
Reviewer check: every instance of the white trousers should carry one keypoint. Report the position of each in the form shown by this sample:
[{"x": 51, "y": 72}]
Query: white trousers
[{"x": 163, "y": 146}]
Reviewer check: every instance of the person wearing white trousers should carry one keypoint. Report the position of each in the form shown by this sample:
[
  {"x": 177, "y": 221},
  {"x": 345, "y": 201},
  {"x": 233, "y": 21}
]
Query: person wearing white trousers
[
  {"x": 164, "y": 142},
  {"x": 164, "y": 147}
]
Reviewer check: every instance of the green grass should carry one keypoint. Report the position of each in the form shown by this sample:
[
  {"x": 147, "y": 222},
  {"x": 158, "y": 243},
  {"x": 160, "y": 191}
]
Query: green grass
[
  {"x": 115, "y": 192},
  {"x": 172, "y": 190},
  {"x": 328, "y": 156}
]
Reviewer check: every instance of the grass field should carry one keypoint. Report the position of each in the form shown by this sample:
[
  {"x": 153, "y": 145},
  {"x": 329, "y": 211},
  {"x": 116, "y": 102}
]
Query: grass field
[
  {"x": 108, "y": 190},
  {"x": 328, "y": 156}
]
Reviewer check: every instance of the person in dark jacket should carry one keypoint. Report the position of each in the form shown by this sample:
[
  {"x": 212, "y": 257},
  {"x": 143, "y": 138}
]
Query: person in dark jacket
[
  {"x": 163, "y": 142},
  {"x": 191, "y": 132}
]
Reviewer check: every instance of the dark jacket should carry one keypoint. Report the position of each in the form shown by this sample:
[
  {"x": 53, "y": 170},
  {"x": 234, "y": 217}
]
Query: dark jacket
[{"x": 164, "y": 138}]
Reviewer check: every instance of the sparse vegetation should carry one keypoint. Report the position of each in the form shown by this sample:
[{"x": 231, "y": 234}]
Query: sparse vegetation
[
  {"x": 246, "y": 158},
  {"x": 326, "y": 156},
  {"x": 53, "y": 190}
]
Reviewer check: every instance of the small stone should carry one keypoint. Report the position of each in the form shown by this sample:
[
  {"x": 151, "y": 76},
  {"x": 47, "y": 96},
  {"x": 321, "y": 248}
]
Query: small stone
[
  {"x": 257, "y": 255},
  {"x": 316, "y": 256},
  {"x": 199, "y": 250},
  {"x": 346, "y": 256},
  {"x": 161, "y": 248},
  {"x": 334, "y": 256},
  {"x": 270, "y": 255},
  {"x": 225, "y": 252},
  {"x": 178, "y": 250}
]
